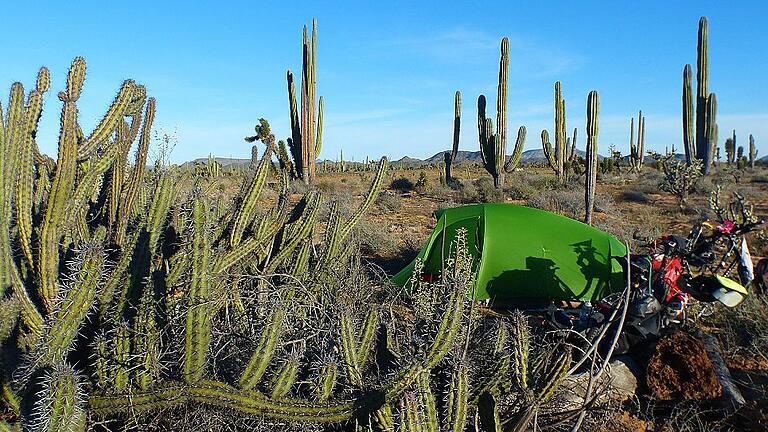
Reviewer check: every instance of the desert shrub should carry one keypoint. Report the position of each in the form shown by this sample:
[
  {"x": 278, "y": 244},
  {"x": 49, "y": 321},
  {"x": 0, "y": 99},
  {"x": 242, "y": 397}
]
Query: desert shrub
[
  {"x": 634, "y": 196},
  {"x": 704, "y": 186},
  {"x": 389, "y": 202},
  {"x": 569, "y": 202},
  {"x": 486, "y": 192},
  {"x": 402, "y": 184},
  {"x": 519, "y": 191},
  {"x": 743, "y": 329},
  {"x": 374, "y": 240},
  {"x": 421, "y": 184},
  {"x": 329, "y": 186}
]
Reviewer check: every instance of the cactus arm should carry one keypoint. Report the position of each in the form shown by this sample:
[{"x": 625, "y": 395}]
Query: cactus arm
[
  {"x": 482, "y": 131},
  {"x": 13, "y": 141},
  {"x": 246, "y": 211},
  {"x": 549, "y": 153},
  {"x": 349, "y": 350},
  {"x": 131, "y": 189},
  {"x": 458, "y": 395},
  {"x": 572, "y": 155},
  {"x": 296, "y": 131},
  {"x": 373, "y": 192},
  {"x": 319, "y": 138},
  {"x": 109, "y": 123},
  {"x": 198, "y": 320},
  {"x": 501, "y": 113},
  {"x": 428, "y": 403},
  {"x": 63, "y": 183},
  {"x": 368, "y": 336},
  {"x": 76, "y": 306},
  {"x": 456, "y": 125},
  {"x": 514, "y": 160},
  {"x": 264, "y": 352},
  {"x": 285, "y": 378},
  {"x": 58, "y": 406},
  {"x": 25, "y": 177}
]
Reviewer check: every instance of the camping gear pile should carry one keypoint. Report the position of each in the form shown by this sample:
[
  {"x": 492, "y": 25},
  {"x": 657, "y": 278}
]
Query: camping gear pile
[{"x": 574, "y": 276}]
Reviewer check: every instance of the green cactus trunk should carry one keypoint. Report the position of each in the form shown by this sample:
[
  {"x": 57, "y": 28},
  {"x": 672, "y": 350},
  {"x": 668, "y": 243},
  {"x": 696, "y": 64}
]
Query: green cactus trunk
[{"x": 593, "y": 112}]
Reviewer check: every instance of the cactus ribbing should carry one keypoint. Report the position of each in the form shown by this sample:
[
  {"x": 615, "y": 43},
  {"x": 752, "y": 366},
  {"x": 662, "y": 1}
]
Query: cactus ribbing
[{"x": 593, "y": 112}]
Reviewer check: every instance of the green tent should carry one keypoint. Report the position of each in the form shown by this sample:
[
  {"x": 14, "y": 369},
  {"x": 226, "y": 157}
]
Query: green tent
[{"x": 526, "y": 255}]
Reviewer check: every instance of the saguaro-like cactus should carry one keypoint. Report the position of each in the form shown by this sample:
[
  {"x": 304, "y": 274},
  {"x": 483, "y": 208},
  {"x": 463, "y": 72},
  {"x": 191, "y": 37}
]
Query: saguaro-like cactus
[
  {"x": 561, "y": 158},
  {"x": 752, "y": 152},
  {"x": 450, "y": 157},
  {"x": 593, "y": 111},
  {"x": 637, "y": 152},
  {"x": 306, "y": 127},
  {"x": 706, "y": 107},
  {"x": 493, "y": 146}
]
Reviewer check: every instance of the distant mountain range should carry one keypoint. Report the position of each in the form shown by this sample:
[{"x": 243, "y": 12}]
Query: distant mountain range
[{"x": 528, "y": 157}]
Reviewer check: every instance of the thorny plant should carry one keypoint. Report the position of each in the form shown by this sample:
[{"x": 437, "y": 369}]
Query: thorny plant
[{"x": 125, "y": 307}]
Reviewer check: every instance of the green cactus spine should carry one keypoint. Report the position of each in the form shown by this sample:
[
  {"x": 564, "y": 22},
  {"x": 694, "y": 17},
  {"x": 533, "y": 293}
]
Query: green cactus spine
[
  {"x": 427, "y": 403},
  {"x": 285, "y": 378},
  {"x": 703, "y": 123},
  {"x": 593, "y": 111},
  {"x": 752, "y": 152},
  {"x": 63, "y": 182},
  {"x": 326, "y": 381},
  {"x": 66, "y": 320},
  {"x": 198, "y": 331},
  {"x": 458, "y": 395},
  {"x": 59, "y": 406},
  {"x": 246, "y": 211},
  {"x": 264, "y": 352},
  {"x": 132, "y": 187}
]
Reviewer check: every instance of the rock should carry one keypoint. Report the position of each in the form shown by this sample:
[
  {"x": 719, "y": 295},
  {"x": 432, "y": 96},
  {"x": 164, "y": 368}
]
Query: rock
[
  {"x": 617, "y": 384},
  {"x": 680, "y": 368}
]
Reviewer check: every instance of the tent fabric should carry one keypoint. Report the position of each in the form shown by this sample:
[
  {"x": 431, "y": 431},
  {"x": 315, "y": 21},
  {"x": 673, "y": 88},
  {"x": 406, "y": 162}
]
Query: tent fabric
[{"x": 524, "y": 254}]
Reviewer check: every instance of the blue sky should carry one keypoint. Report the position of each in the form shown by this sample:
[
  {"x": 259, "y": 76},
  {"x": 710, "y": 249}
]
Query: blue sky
[{"x": 388, "y": 70}]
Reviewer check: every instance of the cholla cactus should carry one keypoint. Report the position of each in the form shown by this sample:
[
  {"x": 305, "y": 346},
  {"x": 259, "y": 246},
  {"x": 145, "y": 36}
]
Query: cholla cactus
[{"x": 679, "y": 178}]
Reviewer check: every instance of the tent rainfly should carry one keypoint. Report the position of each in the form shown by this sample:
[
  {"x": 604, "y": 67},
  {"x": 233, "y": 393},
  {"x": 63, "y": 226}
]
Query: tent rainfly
[{"x": 524, "y": 255}]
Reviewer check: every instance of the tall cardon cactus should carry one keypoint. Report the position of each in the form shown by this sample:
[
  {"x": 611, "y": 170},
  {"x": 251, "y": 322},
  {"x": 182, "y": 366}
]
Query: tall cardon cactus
[
  {"x": 637, "y": 151},
  {"x": 706, "y": 106},
  {"x": 306, "y": 125},
  {"x": 562, "y": 156},
  {"x": 493, "y": 145},
  {"x": 593, "y": 112}
]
